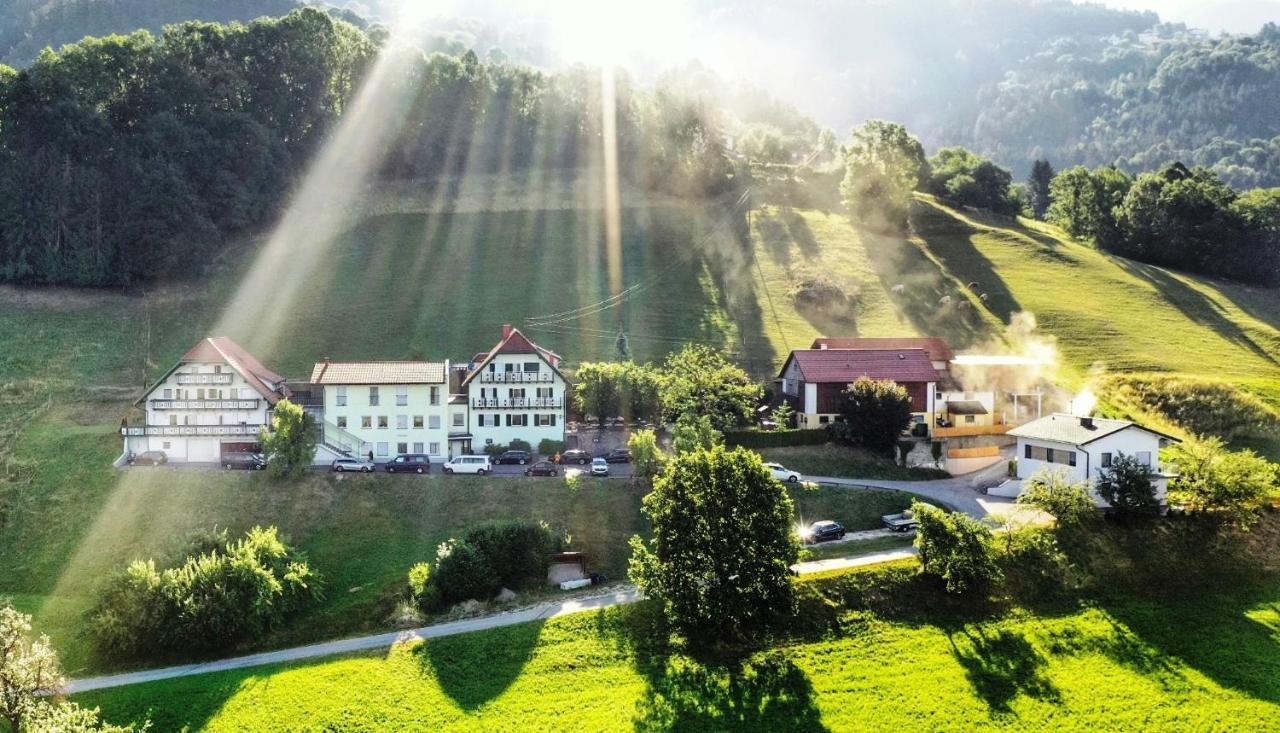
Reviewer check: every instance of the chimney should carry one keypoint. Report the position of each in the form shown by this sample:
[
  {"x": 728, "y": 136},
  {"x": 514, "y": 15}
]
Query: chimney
[
  {"x": 506, "y": 330},
  {"x": 1086, "y": 422}
]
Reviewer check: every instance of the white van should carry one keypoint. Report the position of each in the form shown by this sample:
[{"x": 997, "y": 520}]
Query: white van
[{"x": 478, "y": 465}]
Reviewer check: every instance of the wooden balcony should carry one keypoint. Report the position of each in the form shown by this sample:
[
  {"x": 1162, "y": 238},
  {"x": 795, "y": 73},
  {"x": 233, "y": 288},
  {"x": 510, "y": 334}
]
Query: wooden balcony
[
  {"x": 518, "y": 403},
  {"x": 204, "y": 404},
  {"x": 180, "y": 431},
  {"x": 221, "y": 378},
  {"x": 516, "y": 377}
]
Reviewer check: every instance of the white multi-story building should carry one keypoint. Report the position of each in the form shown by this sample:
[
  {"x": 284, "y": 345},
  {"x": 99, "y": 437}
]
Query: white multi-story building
[
  {"x": 383, "y": 408},
  {"x": 216, "y": 400},
  {"x": 516, "y": 391}
]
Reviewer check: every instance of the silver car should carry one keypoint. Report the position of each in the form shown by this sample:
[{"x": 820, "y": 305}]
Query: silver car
[
  {"x": 342, "y": 465},
  {"x": 599, "y": 467}
]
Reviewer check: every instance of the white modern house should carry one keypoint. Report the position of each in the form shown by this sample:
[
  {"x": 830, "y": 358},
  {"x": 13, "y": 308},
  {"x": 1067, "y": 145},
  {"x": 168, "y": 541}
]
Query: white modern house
[
  {"x": 216, "y": 400},
  {"x": 383, "y": 409},
  {"x": 1082, "y": 447},
  {"x": 515, "y": 391}
]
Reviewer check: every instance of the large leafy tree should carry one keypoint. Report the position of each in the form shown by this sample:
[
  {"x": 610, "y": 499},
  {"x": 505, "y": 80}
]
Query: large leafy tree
[
  {"x": 971, "y": 180},
  {"x": 597, "y": 390},
  {"x": 1038, "y": 195},
  {"x": 722, "y": 548},
  {"x": 290, "y": 445},
  {"x": 1214, "y": 482},
  {"x": 955, "y": 548},
  {"x": 699, "y": 381},
  {"x": 884, "y": 165},
  {"x": 1084, "y": 202},
  {"x": 1126, "y": 485},
  {"x": 874, "y": 412}
]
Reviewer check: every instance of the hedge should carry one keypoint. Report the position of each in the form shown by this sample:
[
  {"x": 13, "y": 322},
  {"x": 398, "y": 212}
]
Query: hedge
[{"x": 776, "y": 438}]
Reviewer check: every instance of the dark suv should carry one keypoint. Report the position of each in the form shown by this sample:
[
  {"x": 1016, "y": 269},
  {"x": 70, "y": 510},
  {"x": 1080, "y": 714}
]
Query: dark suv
[
  {"x": 579, "y": 457},
  {"x": 519, "y": 457},
  {"x": 618, "y": 455},
  {"x": 822, "y": 532},
  {"x": 409, "y": 463},
  {"x": 244, "y": 461}
]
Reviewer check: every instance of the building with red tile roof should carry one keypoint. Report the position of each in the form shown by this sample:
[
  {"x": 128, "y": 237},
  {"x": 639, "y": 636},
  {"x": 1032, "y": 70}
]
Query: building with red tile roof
[{"x": 812, "y": 381}]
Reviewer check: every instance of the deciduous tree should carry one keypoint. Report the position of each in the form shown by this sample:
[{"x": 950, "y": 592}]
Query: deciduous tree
[
  {"x": 1126, "y": 485},
  {"x": 955, "y": 548},
  {"x": 1212, "y": 481},
  {"x": 698, "y": 380},
  {"x": 290, "y": 445},
  {"x": 884, "y": 165},
  {"x": 874, "y": 412}
]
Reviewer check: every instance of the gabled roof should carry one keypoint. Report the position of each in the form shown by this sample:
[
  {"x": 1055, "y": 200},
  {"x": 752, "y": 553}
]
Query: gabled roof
[
  {"x": 378, "y": 372},
  {"x": 515, "y": 342},
  {"x": 936, "y": 348},
  {"x": 1075, "y": 430},
  {"x": 966, "y": 407},
  {"x": 222, "y": 350},
  {"x": 843, "y": 366}
]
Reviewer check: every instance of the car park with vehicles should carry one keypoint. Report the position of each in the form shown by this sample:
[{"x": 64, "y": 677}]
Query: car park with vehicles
[
  {"x": 599, "y": 467},
  {"x": 823, "y": 531},
  {"x": 409, "y": 463},
  {"x": 478, "y": 465},
  {"x": 356, "y": 465},
  {"x": 244, "y": 461},
  {"x": 542, "y": 468},
  {"x": 149, "y": 458},
  {"x": 518, "y": 457},
  {"x": 783, "y": 473}
]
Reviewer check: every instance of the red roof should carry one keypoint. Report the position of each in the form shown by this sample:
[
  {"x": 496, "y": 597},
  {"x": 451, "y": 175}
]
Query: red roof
[
  {"x": 843, "y": 366},
  {"x": 514, "y": 342},
  {"x": 936, "y": 348},
  {"x": 222, "y": 349}
]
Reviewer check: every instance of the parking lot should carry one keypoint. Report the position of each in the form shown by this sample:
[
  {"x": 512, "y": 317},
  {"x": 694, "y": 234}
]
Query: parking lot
[{"x": 616, "y": 470}]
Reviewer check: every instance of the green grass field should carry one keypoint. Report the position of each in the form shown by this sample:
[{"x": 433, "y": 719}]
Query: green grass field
[{"x": 1120, "y": 663}]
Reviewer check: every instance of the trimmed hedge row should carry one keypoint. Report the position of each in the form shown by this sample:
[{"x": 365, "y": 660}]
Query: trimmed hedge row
[{"x": 776, "y": 438}]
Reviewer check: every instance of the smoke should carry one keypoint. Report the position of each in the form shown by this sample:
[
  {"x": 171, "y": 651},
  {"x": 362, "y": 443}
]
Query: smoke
[{"x": 1019, "y": 360}]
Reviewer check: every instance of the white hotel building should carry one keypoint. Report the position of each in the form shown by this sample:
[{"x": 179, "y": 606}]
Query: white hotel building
[
  {"x": 516, "y": 391},
  {"x": 383, "y": 408}
]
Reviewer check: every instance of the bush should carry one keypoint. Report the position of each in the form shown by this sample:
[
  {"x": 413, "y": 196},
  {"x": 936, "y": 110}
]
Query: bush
[
  {"x": 549, "y": 447},
  {"x": 1050, "y": 492},
  {"x": 646, "y": 459},
  {"x": 517, "y": 552},
  {"x": 519, "y": 444},
  {"x": 1126, "y": 485},
  {"x": 875, "y": 413},
  {"x": 462, "y": 573},
  {"x": 775, "y": 438},
  {"x": 1231, "y": 486},
  {"x": 212, "y": 601},
  {"x": 955, "y": 548},
  {"x": 493, "y": 450}
]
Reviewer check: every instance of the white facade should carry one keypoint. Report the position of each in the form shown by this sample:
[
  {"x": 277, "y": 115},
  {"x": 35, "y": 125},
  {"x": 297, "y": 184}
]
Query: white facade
[
  {"x": 215, "y": 399},
  {"x": 406, "y": 410},
  {"x": 516, "y": 392}
]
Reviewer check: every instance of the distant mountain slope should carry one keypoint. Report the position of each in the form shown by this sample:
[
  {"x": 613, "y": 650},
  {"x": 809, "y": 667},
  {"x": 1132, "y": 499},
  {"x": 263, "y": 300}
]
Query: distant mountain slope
[{"x": 27, "y": 26}]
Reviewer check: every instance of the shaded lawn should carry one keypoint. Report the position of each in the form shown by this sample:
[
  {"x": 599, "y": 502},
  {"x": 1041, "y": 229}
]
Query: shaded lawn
[{"x": 1123, "y": 664}]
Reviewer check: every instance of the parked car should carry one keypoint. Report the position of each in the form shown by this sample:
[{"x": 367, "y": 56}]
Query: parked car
[
  {"x": 579, "y": 457},
  {"x": 149, "y": 458},
  {"x": 599, "y": 467},
  {"x": 244, "y": 461},
  {"x": 618, "y": 455},
  {"x": 542, "y": 468},
  {"x": 518, "y": 457},
  {"x": 782, "y": 473},
  {"x": 360, "y": 465},
  {"x": 903, "y": 522},
  {"x": 409, "y": 462},
  {"x": 824, "y": 531},
  {"x": 479, "y": 465}
]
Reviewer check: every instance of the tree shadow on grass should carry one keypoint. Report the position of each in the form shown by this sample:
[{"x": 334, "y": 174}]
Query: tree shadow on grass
[
  {"x": 473, "y": 669},
  {"x": 801, "y": 234},
  {"x": 1193, "y": 304},
  {"x": 950, "y": 240}
]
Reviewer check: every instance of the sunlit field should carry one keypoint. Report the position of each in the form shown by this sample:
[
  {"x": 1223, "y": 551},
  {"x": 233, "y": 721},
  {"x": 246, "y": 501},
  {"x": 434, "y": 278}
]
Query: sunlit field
[{"x": 1119, "y": 664}]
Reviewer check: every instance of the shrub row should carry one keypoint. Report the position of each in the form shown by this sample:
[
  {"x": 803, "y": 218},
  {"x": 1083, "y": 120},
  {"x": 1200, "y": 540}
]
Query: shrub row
[
  {"x": 775, "y": 438},
  {"x": 487, "y": 558}
]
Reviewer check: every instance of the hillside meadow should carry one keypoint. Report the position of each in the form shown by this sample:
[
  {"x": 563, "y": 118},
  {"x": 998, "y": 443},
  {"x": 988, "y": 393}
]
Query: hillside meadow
[{"x": 1118, "y": 663}]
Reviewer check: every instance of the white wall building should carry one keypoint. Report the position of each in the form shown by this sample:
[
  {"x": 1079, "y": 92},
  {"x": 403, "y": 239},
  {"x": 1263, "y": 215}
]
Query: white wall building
[
  {"x": 516, "y": 391},
  {"x": 1082, "y": 447},
  {"x": 383, "y": 408},
  {"x": 215, "y": 400}
]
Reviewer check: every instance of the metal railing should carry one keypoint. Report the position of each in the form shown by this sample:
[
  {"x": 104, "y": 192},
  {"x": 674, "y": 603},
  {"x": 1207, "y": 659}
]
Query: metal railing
[
  {"x": 516, "y": 377},
  {"x": 190, "y": 430},
  {"x": 340, "y": 439},
  {"x": 162, "y": 404},
  {"x": 518, "y": 403},
  {"x": 205, "y": 378}
]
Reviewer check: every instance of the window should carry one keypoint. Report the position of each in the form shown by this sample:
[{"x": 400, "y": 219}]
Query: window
[
  {"x": 382, "y": 422},
  {"x": 435, "y": 395},
  {"x": 168, "y": 394},
  {"x": 1051, "y": 455},
  {"x": 1106, "y": 460},
  {"x": 402, "y": 396},
  {"x": 417, "y": 421},
  {"x": 545, "y": 393},
  {"x": 544, "y": 420},
  {"x": 402, "y": 422},
  {"x": 373, "y": 396},
  {"x": 531, "y": 366},
  {"x": 434, "y": 422},
  {"x": 970, "y": 418},
  {"x": 402, "y": 447},
  {"x": 517, "y": 421},
  {"x": 200, "y": 393},
  {"x": 366, "y": 422},
  {"x": 165, "y": 445},
  {"x": 516, "y": 393},
  {"x": 340, "y": 398},
  {"x": 459, "y": 420},
  {"x": 1027, "y": 451},
  {"x": 1071, "y": 458},
  {"x": 1144, "y": 457},
  {"x": 384, "y": 449},
  {"x": 173, "y": 419},
  {"x": 342, "y": 421},
  {"x": 417, "y": 447},
  {"x": 435, "y": 449},
  {"x": 509, "y": 367},
  {"x": 823, "y": 419}
]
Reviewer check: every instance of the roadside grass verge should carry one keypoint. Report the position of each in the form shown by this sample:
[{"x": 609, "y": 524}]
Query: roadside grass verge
[{"x": 846, "y": 462}]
